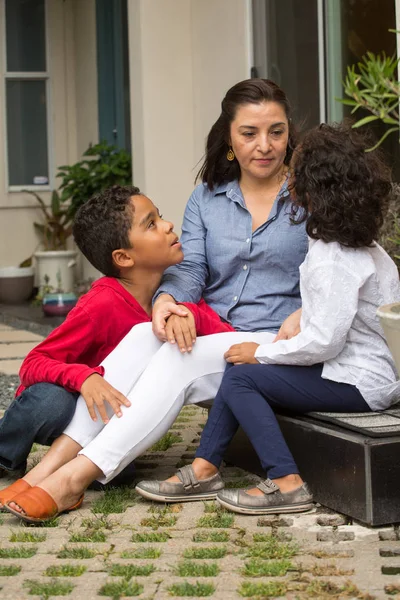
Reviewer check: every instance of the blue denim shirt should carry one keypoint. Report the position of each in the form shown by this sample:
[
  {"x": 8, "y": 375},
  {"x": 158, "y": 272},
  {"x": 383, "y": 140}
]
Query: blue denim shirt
[{"x": 251, "y": 279}]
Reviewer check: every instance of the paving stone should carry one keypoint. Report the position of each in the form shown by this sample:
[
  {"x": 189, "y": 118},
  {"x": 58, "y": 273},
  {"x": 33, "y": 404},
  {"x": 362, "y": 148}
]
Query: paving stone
[
  {"x": 10, "y": 367},
  {"x": 18, "y": 335},
  {"x": 16, "y": 350}
]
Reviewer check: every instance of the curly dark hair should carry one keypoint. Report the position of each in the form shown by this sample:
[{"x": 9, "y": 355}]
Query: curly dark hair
[
  {"x": 342, "y": 189},
  {"x": 102, "y": 225},
  {"x": 216, "y": 168}
]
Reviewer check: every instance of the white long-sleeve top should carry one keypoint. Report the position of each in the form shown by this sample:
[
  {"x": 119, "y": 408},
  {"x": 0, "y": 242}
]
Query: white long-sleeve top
[{"x": 341, "y": 289}]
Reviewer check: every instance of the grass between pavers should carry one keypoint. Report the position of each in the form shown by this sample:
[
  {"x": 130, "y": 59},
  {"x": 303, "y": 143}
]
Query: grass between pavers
[
  {"x": 94, "y": 535},
  {"x": 46, "y": 590},
  {"x": 162, "y": 516},
  {"x": 129, "y": 571},
  {"x": 9, "y": 570},
  {"x": 79, "y": 552},
  {"x": 270, "y": 589},
  {"x": 121, "y": 589},
  {"x": 152, "y": 537},
  {"x": 27, "y": 536},
  {"x": 211, "y": 536},
  {"x": 271, "y": 546},
  {"x": 222, "y": 520},
  {"x": 210, "y": 552},
  {"x": 164, "y": 443},
  {"x": 187, "y": 568},
  {"x": 18, "y": 552},
  {"x": 114, "y": 500},
  {"x": 142, "y": 553},
  {"x": 98, "y": 521},
  {"x": 257, "y": 567},
  {"x": 65, "y": 571},
  {"x": 199, "y": 590}
]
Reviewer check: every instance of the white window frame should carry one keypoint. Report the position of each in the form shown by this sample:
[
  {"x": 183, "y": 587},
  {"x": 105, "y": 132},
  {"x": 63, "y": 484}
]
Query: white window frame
[{"x": 28, "y": 76}]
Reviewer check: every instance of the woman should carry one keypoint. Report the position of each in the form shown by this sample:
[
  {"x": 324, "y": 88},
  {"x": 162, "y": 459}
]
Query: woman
[
  {"x": 339, "y": 361},
  {"x": 241, "y": 254}
]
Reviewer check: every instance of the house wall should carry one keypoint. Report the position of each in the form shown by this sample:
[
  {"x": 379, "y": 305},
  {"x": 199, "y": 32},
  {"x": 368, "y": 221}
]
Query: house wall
[
  {"x": 184, "y": 55},
  {"x": 71, "y": 50}
]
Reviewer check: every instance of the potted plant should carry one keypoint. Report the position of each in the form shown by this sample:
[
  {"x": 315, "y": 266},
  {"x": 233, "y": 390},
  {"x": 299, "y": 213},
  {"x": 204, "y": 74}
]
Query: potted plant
[
  {"x": 55, "y": 264},
  {"x": 102, "y": 166}
]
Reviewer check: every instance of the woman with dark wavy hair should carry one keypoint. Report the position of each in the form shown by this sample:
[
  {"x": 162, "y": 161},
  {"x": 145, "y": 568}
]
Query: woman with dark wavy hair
[{"x": 339, "y": 361}]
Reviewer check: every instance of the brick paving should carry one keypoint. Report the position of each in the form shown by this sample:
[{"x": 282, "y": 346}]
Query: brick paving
[{"x": 119, "y": 546}]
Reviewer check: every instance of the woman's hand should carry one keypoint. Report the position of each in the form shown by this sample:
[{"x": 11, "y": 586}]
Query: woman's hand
[
  {"x": 95, "y": 391},
  {"x": 164, "y": 307},
  {"x": 242, "y": 354},
  {"x": 181, "y": 330},
  {"x": 290, "y": 326}
]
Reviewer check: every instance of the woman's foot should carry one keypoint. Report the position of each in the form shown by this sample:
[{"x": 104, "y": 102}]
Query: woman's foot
[
  {"x": 268, "y": 500},
  {"x": 201, "y": 468},
  {"x": 67, "y": 484},
  {"x": 289, "y": 483},
  {"x": 185, "y": 486}
]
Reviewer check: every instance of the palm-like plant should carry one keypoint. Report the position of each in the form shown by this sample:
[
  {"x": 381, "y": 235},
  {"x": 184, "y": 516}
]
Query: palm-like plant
[{"x": 56, "y": 226}]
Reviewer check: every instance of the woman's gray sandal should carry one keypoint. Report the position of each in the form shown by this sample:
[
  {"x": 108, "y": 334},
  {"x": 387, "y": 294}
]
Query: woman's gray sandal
[
  {"x": 187, "y": 489},
  {"x": 271, "y": 502}
]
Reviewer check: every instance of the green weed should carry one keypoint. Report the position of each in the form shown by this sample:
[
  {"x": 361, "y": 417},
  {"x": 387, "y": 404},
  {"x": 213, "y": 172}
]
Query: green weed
[
  {"x": 191, "y": 569},
  {"x": 211, "y": 536},
  {"x": 222, "y": 519},
  {"x": 199, "y": 590},
  {"x": 162, "y": 536},
  {"x": 114, "y": 500},
  {"x": 27, "y": 536},
  {"x": 270, "y": 589},
  {"x": 257, "y": 567},
  {"x": 77, "y": 553},
  {"x": 46, "y": 590},
  {"x": 210, "y": 552},
  {"x": 168, "y": 440},
  {"x": 119, "y": 589},
  {"x": 129, "y": 571},
  {"x": 142, "y": 553},
  {"x": 20, "y": 552},
  {"x": 65, "y": 571},
  {"x": 9, "y": 570}
]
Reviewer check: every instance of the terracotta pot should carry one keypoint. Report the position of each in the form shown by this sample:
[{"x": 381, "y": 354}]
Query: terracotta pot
[{"x": 389, "y": 316}]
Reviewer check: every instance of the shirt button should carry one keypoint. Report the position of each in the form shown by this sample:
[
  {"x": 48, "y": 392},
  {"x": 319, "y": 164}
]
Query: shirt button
[
  {"x": 248, "y": 241},
  {"x": 245, "y": 268},
  {"x": 234, "y": 298}
]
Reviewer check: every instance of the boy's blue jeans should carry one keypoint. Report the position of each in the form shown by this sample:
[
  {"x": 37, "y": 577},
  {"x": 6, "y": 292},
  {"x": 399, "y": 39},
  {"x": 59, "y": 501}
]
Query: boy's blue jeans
[{"x": 40, "y": 414}]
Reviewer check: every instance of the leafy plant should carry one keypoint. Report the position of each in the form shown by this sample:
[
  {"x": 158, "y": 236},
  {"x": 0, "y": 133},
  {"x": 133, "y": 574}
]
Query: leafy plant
[
  {"x": 56, "y": 226},
  {"x": 372, "y": 85},
  {"x": 104, "y": 167}
]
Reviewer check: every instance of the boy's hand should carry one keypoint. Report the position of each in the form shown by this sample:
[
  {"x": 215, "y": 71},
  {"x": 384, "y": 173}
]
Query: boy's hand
[
  {"x": 242, "y": 354},
  {"x": 164, "y": 307},
  {"x": 182, "y": 330},
  {"x": 95, "y": 391}
]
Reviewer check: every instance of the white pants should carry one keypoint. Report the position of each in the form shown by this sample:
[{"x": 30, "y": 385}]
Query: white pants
[{"x": 158, "y": 380}]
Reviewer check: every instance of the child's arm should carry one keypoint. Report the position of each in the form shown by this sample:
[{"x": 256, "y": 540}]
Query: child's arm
[
  {"x": 207, "y": 321},
  {"x": 201, "y": 319},
  {"x": 59, "y": 359},
  {"x": 329, "y": 307}
]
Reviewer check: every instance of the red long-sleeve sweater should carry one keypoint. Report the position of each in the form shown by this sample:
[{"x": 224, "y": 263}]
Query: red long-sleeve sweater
[{"x": 92, "y": 329}]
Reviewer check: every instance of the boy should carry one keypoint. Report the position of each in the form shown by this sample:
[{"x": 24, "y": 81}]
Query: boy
[{"x": 123, "y": 236}]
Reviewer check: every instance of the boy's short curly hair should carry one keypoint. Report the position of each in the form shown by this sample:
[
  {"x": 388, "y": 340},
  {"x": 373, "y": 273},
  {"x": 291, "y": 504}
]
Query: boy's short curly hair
[
  {"x": 344, "y": 188},
  {"x": 102, "y": 225}
]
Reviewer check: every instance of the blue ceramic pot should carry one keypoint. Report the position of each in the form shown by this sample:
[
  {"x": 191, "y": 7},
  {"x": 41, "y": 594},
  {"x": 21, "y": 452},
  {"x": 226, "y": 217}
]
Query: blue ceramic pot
[{"x": 58, "y": 304}]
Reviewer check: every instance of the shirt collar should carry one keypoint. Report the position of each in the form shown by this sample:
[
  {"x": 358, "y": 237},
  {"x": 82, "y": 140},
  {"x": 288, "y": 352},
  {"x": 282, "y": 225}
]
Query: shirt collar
[{"x": 233, "y": 191}]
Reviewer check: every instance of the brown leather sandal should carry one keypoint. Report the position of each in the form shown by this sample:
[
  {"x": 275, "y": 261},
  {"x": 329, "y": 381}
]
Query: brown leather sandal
[{"x": 38, "y": 506}]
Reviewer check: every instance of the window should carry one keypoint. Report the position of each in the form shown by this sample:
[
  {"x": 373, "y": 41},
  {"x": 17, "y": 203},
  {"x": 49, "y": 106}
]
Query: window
[
  {"x": 26, "y": 93},
  {"x": 287, "y": 50}
]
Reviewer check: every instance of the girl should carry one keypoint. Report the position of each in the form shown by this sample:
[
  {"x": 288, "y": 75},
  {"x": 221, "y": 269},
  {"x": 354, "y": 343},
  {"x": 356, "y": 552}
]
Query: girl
[{"x": 340, "y": 360}]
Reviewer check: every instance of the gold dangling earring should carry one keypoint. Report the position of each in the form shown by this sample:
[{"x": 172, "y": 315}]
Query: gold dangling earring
[{"x": 230, "y": 155}]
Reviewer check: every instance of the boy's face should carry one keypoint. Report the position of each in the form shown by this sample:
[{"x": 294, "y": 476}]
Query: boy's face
[{"x": 154, "y": 243}]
